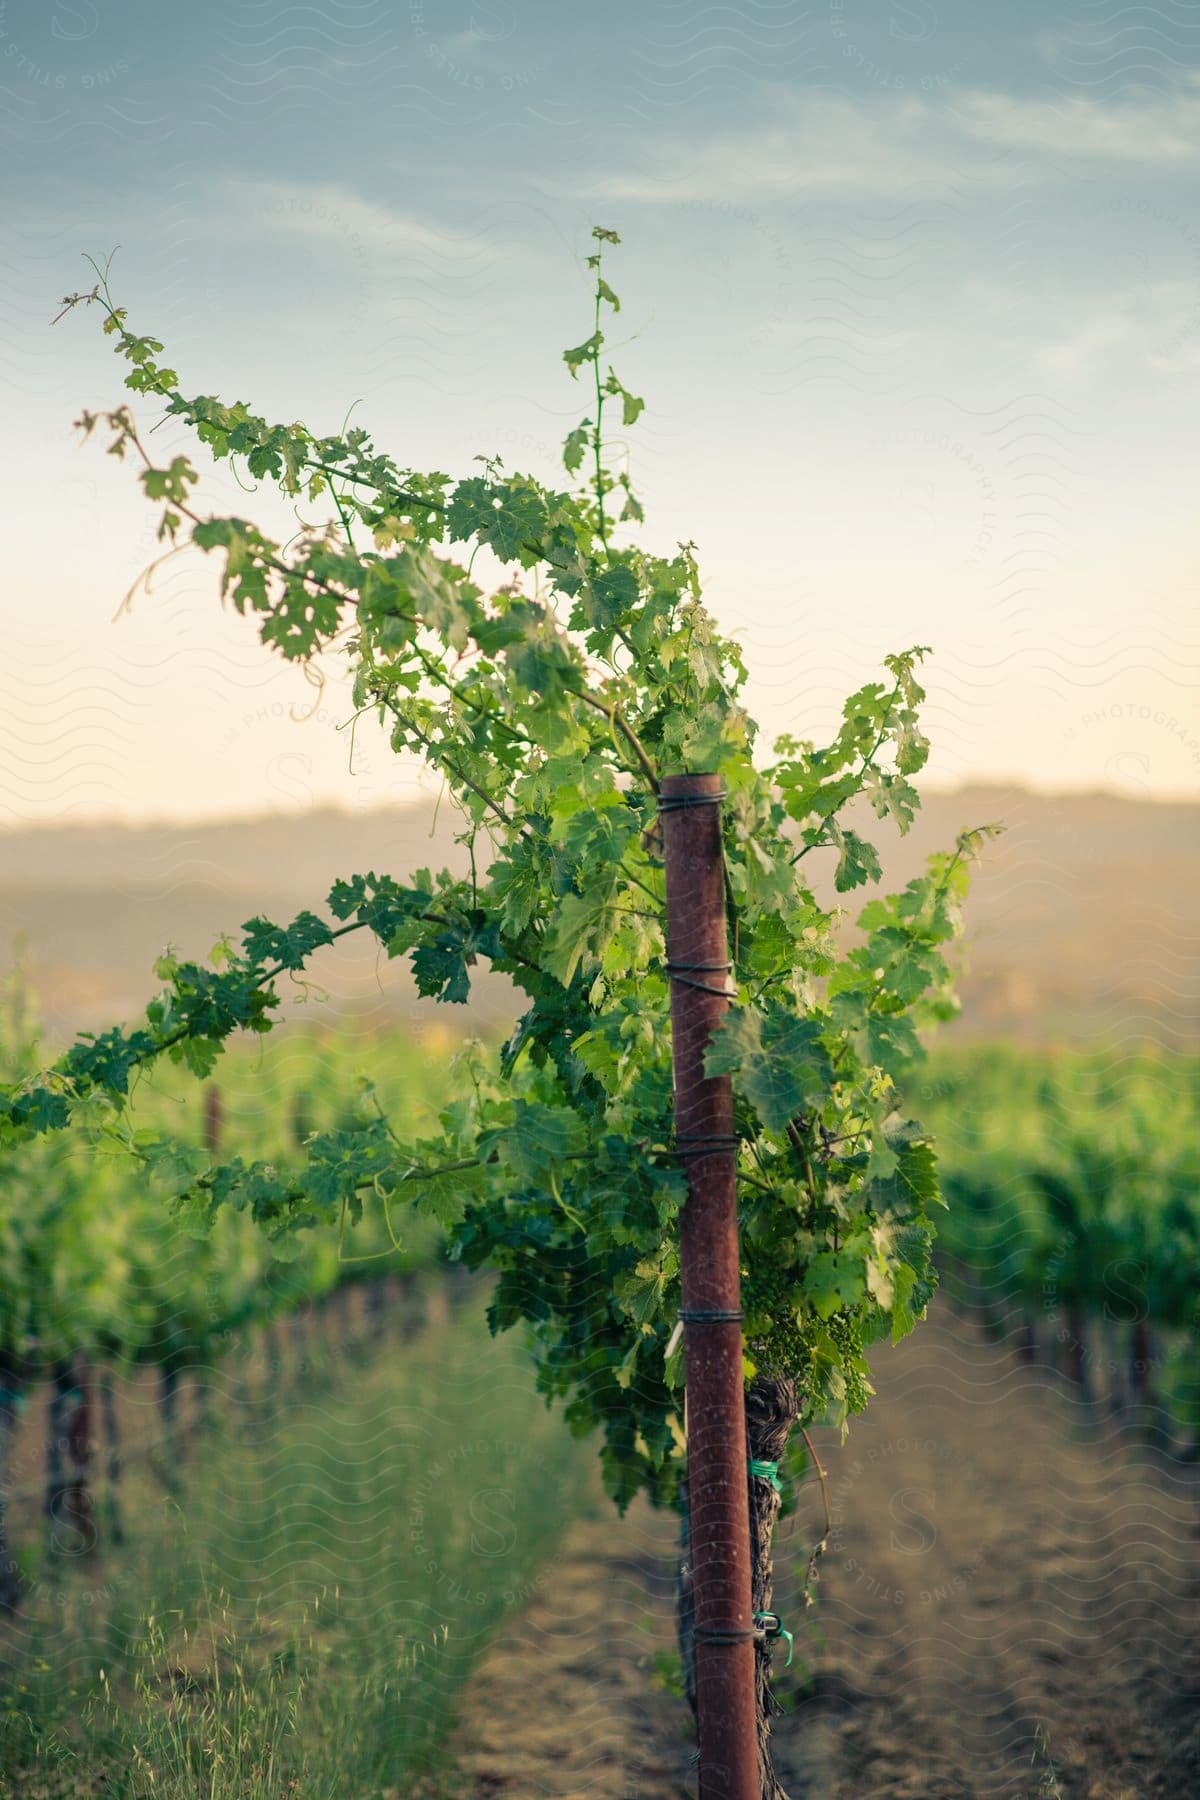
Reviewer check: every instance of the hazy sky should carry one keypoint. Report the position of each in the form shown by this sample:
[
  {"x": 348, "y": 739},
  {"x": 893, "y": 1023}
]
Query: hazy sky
[{"x": 913, "y": 293}]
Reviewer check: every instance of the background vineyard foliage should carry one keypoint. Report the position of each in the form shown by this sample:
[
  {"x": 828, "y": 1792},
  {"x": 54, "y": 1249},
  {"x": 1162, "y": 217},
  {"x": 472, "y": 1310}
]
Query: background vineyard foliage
[
  {"x": 1073, "y": 1189},
  {"x": 93, "y": 1260}
]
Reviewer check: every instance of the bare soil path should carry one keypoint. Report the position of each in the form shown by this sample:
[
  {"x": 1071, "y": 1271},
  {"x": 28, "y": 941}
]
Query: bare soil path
[
  {"x": 1009, "y": 1607},
  {"x": 568, "y": 1701}
]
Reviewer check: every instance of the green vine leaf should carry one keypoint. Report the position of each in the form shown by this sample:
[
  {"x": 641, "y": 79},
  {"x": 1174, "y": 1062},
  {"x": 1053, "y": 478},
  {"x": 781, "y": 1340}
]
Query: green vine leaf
[{"x": 776, "y": 1059}]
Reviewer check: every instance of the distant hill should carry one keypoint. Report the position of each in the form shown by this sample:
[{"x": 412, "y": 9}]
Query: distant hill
[{"x": 1083, "y": 921}]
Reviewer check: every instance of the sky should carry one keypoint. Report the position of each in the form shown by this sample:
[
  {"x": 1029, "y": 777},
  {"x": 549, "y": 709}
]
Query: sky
[{"x": 912, "y": 292}]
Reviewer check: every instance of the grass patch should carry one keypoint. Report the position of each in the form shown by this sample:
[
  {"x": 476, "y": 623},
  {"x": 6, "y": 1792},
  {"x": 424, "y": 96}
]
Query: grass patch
[{"x": 302, "y": 1617}]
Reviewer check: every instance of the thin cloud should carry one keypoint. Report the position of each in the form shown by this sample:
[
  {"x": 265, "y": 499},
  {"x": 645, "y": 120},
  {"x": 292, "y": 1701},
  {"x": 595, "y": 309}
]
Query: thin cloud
[
  {"x": 1151, "y": 130},
  {"x": 1153, "y": 328},
  {"x": 811, "y": 144},
  {"x": 331, "y": 212}
]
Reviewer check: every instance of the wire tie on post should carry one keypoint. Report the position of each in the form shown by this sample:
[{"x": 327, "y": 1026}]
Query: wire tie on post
[
  {"x": 689, "y": 1143},
  {"x": 677, "y": 802},
  {"x": 719, "y": 1634},
  {"x": 711, "y": 1315},
  {"x": 682, "y": 973}
]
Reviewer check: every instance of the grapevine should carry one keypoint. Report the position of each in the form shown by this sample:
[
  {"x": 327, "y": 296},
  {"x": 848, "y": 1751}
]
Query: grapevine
[{"x": 551, "y": 670}]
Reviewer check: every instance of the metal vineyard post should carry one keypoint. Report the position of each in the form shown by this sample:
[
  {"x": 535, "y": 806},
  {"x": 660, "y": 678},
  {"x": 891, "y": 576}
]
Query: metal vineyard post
[{"x": 718, "y": 1502}]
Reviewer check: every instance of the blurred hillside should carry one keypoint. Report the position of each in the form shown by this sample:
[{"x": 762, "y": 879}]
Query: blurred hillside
[{"x": 1083, "y": 921}]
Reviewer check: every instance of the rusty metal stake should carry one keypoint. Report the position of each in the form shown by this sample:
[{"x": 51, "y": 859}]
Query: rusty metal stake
[
  {"x": 212, "y": 1117},
  {"x": 697, "y": 953}
]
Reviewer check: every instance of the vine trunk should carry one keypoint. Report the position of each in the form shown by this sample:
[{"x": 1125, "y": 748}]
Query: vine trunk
[
  {"x": 10, "y": 1395},
  {"x": 772, "y": 1408}
]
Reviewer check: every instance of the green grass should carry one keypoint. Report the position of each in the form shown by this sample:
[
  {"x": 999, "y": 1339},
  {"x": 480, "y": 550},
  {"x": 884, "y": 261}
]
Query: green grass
[{"x": 303, "y": 1618}]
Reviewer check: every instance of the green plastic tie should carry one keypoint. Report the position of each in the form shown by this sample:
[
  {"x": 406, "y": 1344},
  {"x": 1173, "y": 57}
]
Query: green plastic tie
[
  {"x": 773, "y": 1627},
  {"x": 767, "y": 1471}
]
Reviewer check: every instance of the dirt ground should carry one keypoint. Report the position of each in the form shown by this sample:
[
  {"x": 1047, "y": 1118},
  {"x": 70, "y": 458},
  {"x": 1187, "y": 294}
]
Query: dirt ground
[
  {"x": 568, "y": 1701},
  {"x": 1008, "y": 1607}
]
